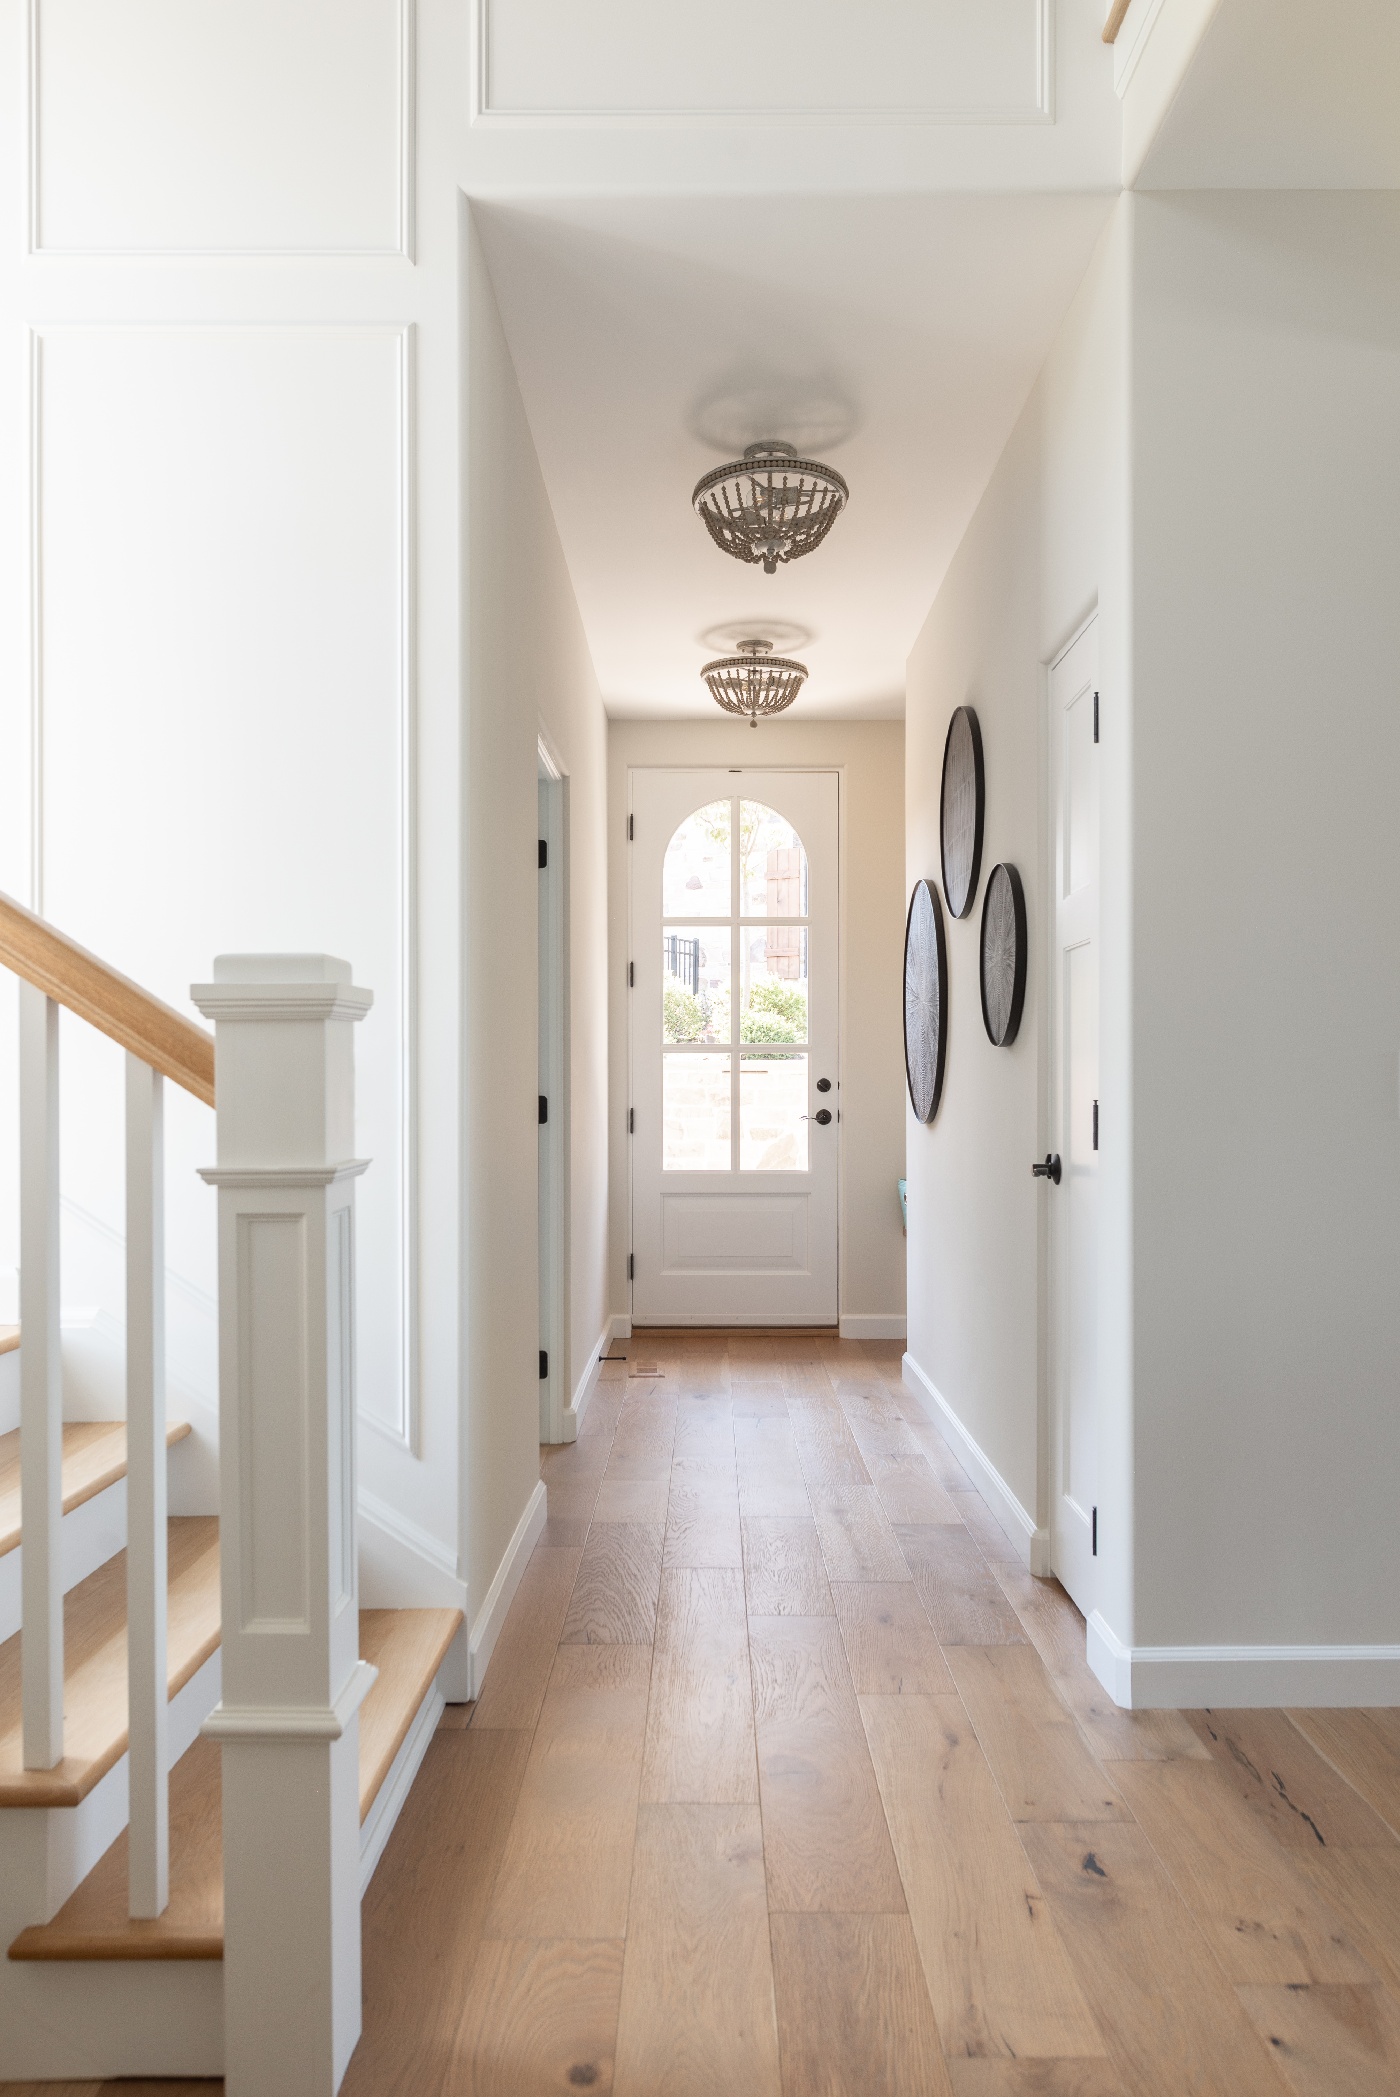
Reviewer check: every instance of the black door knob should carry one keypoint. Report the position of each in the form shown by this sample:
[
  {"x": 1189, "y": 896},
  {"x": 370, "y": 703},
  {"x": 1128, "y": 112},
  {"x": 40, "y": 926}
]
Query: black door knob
[
  {"x": 823, "y": 1115},
  {"x": 1050, "y": 1170}
]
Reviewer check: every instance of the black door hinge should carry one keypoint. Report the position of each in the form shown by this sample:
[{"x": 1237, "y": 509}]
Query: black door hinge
[
  {"x": 631, "y": 1121},
  {"x": 1096, "y": 717},
  {"x": 631, "y": 1266},
  {"x": 631, "y": 829},
  {"x": 631, "y": 975},
  {"x": 544, "y": 1363},
  {"x": 544, "y": 852},
  {"x": 1096, "y": 1124},
  {"x": 1094, "y": 1532},
  {"x": 544, "y": 1108}
]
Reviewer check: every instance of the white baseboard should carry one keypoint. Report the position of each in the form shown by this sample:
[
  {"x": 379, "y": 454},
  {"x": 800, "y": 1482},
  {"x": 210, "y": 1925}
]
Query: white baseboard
[
  {"x": 587, "y": 1383},
  {"x": 389, "y": 1799},
  {"x": 1032, "y": 1544},
  {"x": 873, "y": 1325},
  {"x": 486, "y": 1625},
  {"x": 619, "y": 1326},
  {"x": 1189, "y": 1678}
]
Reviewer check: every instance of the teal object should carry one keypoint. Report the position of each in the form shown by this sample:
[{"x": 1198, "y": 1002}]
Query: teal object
[{"x": 904, "y": 1204}]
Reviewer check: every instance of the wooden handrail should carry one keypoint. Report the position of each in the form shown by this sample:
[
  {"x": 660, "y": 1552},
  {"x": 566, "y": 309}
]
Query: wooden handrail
[
  {"x": 1115, "y": 20},
  {"x": 113, "y": 1004}
]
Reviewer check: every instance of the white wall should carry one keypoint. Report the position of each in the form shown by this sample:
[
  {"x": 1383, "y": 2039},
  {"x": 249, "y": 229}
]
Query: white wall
[
  {"x": 528, "y": 671},
  {"x": 229, "y": 459},
  {"x": 1046, "y": 547},
  {"x": 870, "y": 756},
  {"x": 1267, "y": 1000}
]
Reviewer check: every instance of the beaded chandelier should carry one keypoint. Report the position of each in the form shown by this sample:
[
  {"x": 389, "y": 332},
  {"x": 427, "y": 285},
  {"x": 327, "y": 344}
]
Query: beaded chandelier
[
  {"x": 755, "y": 681},
  {"x": 770, "y": 506}
]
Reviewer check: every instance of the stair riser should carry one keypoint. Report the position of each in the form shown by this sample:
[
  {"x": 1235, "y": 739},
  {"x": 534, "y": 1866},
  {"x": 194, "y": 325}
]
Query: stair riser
[
  {"x": 92, "y": 1534},
  {"x": 84, "y": 2023},
  {"x": 91, "y": 2019}
]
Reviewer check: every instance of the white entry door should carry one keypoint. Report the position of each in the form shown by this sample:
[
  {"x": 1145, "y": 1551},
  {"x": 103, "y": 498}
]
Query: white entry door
[
  {"x": 734, "y": 1048},
  {"x": 1074, "y": 1117}
]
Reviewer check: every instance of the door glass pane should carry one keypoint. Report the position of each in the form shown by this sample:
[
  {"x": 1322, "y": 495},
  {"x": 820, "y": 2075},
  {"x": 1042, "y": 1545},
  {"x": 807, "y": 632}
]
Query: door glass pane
[
  {"x": 772, "y": 864},
  {"x": 694, "y": 1113},
  {"x": 695, "y": 983},
  {"x": 775, "y": 983},
  {"x": 695, "y": 874},
  {"x": 772, "y": 1102}
]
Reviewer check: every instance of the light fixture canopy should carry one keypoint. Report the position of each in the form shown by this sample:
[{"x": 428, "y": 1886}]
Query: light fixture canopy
[
  {"x": 755, "y": 681},
  {"x": 770, "y": 506}
]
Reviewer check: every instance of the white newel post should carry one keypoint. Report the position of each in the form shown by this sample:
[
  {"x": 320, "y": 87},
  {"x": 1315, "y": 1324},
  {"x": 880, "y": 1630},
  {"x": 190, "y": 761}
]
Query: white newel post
[{"x": 292, "y": 1676}]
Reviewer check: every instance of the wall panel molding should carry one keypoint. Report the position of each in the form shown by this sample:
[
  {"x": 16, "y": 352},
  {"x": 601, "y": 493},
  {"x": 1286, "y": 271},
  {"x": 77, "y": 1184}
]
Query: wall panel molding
[
  {"x": 170, "y": 163},
  {"x": 491, "y": 102},
  {"x": 397, "y": 1414}
]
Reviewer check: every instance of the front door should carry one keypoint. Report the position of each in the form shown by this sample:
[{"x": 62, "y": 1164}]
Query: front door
[
  {"x": 734, "y": 1075},
  {"x": 1074, "y": 1117}
]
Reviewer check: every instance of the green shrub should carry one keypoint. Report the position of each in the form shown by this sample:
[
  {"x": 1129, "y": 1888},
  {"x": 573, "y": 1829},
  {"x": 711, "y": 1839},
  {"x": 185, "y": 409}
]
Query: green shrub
[
  {"x": 786, "y": 1001},
  {"x": 766, "y": 1026},
  {"x": 682, "y": 1018}
]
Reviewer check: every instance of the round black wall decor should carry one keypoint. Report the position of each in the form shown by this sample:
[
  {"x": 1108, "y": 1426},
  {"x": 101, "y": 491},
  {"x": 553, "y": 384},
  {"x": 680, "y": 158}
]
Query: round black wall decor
[
  {"x": 925, "y": 1000},
  {"x": 1003, "y": 955},
  {"x": 962, "y": 803}
]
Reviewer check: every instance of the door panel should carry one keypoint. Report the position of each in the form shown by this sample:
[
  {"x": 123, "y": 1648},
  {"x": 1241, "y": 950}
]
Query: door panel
[
  {"x": 1074, "y": 1089},
  {"x": 733, "y": 1023}
]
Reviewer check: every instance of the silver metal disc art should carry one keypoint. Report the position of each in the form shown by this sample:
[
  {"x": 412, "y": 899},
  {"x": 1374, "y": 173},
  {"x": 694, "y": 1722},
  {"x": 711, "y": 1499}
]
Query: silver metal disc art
[
  {"x": 925, "y": 1000},
  {"x": 962, "y": 802},
  {"x": 1003, "y": 955}
]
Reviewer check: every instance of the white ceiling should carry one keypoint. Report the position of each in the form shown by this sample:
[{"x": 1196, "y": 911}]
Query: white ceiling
[{"x": 653, "y": 338}]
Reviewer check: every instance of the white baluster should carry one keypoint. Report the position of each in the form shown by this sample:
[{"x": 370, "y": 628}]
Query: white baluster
[
  {"x": 292, "y": 1676},
  {"x": 149, "y": 1750},
  {"x": 41, "y": 1384}
]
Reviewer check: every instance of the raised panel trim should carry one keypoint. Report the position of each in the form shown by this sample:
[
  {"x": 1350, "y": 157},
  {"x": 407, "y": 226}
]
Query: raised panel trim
[
  {"x": 406, "y": 1431},
  {"x": 485, "y": 111},
  {"x": 403, "y": 249}
]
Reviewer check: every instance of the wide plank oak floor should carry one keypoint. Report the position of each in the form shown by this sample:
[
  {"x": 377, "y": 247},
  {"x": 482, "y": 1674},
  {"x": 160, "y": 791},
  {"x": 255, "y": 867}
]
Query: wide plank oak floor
[{"x": 787, "y": 1780}]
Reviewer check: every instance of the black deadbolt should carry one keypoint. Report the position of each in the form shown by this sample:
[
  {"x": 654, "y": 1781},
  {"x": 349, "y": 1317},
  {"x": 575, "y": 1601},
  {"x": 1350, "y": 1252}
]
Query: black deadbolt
[{"x": 823, "y": 1084}]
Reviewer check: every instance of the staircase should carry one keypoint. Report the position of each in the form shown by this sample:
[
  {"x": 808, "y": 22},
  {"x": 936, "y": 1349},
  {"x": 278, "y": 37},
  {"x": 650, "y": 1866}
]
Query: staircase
[{"x": 202, "y": 1750}]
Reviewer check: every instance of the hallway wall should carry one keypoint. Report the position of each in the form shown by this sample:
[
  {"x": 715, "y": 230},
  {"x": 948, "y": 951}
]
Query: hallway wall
[
  {"x": 528, "y": 670},
  {"x": 1267, "y": 868},
  {"x": 870, "y": 755},
  {"x": 1047, "y": 545}
]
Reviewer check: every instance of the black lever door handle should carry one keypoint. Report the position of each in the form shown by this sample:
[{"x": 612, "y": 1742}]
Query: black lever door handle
[
  {"x": 1050, "y": 1170},
  {"x": 822, "y": 1115}
]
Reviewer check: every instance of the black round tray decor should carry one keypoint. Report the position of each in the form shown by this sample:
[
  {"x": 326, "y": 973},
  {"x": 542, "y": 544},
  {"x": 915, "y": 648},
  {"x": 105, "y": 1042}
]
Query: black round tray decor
[
  {"x": 1003, "y": 958},
  {"x": 925, "y": 1000},
  {"x": 962, "y": 804}
]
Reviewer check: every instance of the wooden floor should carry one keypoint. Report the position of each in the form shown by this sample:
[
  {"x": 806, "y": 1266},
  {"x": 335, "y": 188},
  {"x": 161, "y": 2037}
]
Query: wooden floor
[{"x": 787, "y": 1781}]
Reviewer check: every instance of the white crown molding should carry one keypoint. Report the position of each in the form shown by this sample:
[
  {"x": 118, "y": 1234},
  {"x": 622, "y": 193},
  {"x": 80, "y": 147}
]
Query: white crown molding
[
  {"x": 1190, "y": 1678},
  {"x": 490, "y": 115},
  {"x": 1032, "y": 1543},
  {"x": 403, "y": 249}
]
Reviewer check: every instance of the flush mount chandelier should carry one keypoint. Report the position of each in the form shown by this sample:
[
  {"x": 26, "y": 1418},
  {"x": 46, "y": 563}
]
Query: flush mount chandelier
[
  {"x": 755, "y": 681},
  {"x": 770, "y": 506}
]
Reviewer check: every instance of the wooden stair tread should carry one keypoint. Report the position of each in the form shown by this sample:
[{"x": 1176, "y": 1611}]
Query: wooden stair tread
[
  {"x": 406, "y": 1645},
  {"x": 95, "y": 1697},
  {"x": 94, "y": 1457},
  {"x": 9, "y": 1338}
]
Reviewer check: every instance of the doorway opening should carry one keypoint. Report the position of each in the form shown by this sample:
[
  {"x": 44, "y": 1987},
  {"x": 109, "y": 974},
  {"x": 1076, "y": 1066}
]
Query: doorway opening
[
  {"x": 734, "y": 1105},
  {"x": 556, "y": 1419}
]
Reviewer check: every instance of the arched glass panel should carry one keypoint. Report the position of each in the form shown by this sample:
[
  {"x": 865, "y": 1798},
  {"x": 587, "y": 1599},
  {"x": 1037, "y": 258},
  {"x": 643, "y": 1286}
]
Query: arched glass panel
[
  {"x": 739, "y": 984},
  {"x": 695, "y": 878}
]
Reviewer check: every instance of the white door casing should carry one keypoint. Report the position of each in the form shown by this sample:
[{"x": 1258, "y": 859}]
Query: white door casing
[
  {"x": 735, "y": 1197},
  {"x": 1074, "y": 1116}
]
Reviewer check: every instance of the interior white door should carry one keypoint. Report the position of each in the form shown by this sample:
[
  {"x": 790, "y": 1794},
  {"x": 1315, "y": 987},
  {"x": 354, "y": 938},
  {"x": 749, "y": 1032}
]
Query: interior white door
[
  {"x": 734, "y": 1042},
  {"x": 1074, "y": 1116}
]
